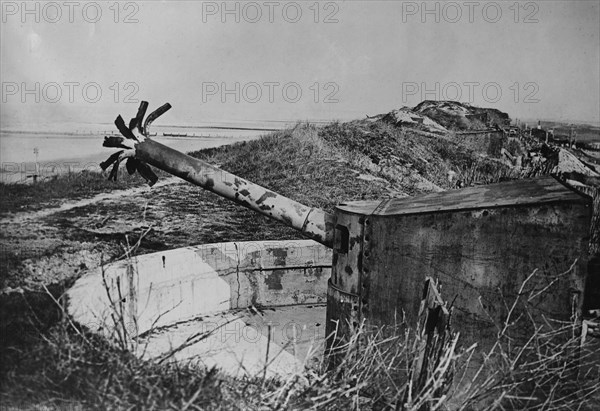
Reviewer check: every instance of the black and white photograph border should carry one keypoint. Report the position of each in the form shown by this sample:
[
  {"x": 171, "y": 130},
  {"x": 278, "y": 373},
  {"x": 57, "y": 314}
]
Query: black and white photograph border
[{"x": 311, "y": 204}]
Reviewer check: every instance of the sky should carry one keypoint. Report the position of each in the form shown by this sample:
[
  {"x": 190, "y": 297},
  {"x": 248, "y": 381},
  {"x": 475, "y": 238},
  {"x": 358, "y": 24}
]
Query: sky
[{"x": 86, "y": 62}]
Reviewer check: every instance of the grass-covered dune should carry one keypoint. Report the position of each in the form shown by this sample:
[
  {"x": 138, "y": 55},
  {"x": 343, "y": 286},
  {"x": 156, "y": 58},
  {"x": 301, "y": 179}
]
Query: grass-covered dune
[
  {"x": 50, "y": 362},
  {"x": 355, "y": 161}
]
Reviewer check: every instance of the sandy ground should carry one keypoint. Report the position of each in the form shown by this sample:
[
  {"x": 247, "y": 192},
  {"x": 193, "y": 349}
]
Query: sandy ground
[{"x": 55, "y": 245}]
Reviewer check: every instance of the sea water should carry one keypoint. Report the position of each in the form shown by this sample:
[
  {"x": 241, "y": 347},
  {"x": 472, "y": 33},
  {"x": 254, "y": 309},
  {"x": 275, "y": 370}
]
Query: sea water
[{"x": 24, "y": 154}]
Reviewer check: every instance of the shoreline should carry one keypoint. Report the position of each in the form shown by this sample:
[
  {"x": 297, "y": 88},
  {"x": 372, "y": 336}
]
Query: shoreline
[{"x": 93, "y": 153}]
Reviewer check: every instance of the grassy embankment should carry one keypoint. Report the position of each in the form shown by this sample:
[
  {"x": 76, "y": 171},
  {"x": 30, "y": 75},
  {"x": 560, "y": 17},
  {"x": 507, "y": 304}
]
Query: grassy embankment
[
  {"x": 52, "y": 191},
  {"x": 56, "y": 363}
]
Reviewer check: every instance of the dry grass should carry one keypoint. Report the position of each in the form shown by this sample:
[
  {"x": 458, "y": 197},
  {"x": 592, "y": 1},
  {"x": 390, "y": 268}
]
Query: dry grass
[
  {"x": 549, "y": 370},
  {"x": 299, "y": 164},
  {"x": 71, "y": 367},
  {"x": 50, "y": 192}
]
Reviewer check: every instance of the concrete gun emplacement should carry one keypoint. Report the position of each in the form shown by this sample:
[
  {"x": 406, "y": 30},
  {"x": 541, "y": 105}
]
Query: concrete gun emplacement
[{"x": 472, "y": 242}]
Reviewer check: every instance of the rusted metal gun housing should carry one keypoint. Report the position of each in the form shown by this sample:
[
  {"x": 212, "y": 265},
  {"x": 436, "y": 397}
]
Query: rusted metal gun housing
[{"x": 481, "y": 244}]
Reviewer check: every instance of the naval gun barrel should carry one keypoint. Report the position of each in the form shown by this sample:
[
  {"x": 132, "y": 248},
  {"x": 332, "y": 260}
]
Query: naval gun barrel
[{"x": 139, "y": 151}]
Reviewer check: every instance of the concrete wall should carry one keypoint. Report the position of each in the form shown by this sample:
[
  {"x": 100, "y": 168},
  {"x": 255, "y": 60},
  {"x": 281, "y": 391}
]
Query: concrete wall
[{"x": 164, "y": 288}]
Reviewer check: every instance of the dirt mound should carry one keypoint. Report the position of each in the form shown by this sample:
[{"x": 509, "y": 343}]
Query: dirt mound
[
  {"x": 407, "y": 118},
  {"x": 443, "y": 116},
  {"x": 411, "y": 160},
  {"x": 461, "y": 116}
]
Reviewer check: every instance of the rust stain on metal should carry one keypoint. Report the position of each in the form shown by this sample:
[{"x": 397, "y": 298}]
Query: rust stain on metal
[
  {"x": 266, "y": 195},
  {"x": 286, "y": 219},
  {"x": 343, "y": 318},
  {"x": 244, "y": 203},
  {"x": 300, "y": 209},
  {"x": 354, "y": 240}
]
